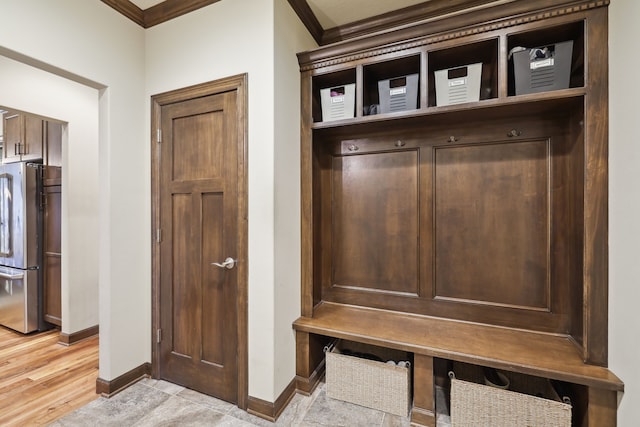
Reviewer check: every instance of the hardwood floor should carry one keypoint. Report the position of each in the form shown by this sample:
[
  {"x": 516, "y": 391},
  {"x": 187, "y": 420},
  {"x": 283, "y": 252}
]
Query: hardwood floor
[{"x": 41, "y": 380}]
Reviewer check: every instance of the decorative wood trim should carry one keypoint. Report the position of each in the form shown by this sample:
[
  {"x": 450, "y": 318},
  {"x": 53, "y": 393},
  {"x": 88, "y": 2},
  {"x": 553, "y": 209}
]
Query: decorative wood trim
[
  {"x": 170, "y": 9},
  {"x": 128, "y": 9},
  {"x": 306, "y": 386},
  {"x": 108, "y": 388},
  {"x": 271, "y": 411},
  {"x": 75, "y": 337},
  {"x": 306, "y": 15},
  {"x": 466, "y": 22},
  {"x": 159, "y": 13},
  {"x": 238, "y": 83},
  {"x": 596, "y": 195},
  {"x": 397, "y": 18}
]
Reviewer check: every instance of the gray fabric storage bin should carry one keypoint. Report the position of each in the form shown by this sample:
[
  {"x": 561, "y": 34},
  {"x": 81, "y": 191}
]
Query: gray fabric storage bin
[{"x": 543, "y": 74}]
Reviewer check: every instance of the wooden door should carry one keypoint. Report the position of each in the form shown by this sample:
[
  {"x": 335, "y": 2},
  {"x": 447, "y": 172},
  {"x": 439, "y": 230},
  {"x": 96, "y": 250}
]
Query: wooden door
[{"x": 198, "y": 218}]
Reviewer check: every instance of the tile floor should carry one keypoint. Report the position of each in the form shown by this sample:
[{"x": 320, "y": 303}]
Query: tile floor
[{"x": 159, "y": 403}]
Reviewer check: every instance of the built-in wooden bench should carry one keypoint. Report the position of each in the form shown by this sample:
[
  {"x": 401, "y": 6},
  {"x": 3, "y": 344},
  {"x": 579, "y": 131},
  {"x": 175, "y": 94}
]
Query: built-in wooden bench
[{"x": 545, "y": 355}]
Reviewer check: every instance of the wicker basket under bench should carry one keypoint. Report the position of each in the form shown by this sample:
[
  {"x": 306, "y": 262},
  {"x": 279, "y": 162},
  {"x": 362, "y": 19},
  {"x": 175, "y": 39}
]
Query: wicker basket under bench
[
  {"x": 522, "y": 400},
  {"x": 352, "y": 376},
  {"x": 428, "y": 338}
]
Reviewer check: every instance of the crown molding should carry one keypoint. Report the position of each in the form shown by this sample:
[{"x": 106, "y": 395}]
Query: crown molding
[
  {"x": 308, "y": 18},
  {"x": 159, "y": 13}
]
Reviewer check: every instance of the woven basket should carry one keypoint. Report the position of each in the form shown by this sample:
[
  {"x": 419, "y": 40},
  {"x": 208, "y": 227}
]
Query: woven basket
[
  {"x": 478, "y": 405},
  {"x": 369, "y": 383}
]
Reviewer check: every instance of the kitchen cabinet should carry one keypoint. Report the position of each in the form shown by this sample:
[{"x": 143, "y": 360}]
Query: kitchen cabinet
[
  {"x": 444, "y": 228},
  {"x": 23, "y": 136},
  {"x": 52, "y": 254}
]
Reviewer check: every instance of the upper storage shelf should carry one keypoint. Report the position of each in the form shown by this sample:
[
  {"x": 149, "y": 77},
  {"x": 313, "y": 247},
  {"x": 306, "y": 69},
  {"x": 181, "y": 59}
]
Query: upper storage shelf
[
  {"x": 451, "y": 74},
  {"x": 546, "y": 59}
]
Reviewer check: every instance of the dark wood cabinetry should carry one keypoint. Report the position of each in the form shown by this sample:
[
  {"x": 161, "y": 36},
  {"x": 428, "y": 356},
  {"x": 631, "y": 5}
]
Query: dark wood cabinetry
[
  {"x": 52, "y": 223},
  {"x": 23, "y": 135},
  {"x": 28, "y": 137},
  {"x": 52, "y": 254},
  {"x": 489, "y": 212}
]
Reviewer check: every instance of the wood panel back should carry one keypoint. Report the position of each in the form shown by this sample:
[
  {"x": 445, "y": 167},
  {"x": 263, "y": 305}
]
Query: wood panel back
[{"x": 485, "y": 223}]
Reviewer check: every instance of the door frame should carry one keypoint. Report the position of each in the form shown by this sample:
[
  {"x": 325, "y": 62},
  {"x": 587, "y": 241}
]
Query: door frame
[{"x": 236, "y": 83}]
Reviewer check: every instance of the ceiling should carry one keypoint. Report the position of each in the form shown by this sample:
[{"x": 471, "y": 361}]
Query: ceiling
[
  {"x": 335, "y": 13},
  {"x": 328, "y": 21}
]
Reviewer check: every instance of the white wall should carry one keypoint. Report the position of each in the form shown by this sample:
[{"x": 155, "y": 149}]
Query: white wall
[
  {"x": 291, "y": 37},
  {"x": 30, "y": 89},
  {"x": 624, "y": 204},
  {"x": 220, "y": 40},
  {"x": 91, "y": 43}
]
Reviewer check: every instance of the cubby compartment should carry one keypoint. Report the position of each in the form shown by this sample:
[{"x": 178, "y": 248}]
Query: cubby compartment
[
  {"x": 457, "y": 66},
  {"x": 343, "y": 85},
  {"x": 559, "y": 63},
  {"x": 392, "y": 86}
]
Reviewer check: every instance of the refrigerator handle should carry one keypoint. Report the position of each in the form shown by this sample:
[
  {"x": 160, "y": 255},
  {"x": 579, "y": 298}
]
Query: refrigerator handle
[{"x": 17, "y": 276}]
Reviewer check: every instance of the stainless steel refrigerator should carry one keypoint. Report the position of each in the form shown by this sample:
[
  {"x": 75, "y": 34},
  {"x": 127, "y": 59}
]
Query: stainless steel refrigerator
[{"x": 19, "y": 247}]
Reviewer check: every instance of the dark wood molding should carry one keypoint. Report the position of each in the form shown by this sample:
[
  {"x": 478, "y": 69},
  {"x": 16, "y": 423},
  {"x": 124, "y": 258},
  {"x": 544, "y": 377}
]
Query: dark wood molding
[
  {"x": 159, "y": 13},
  {"x": 128, "y": 9},
  {"x": 108, "y": 388},
  {"x": 308, "y": 18},
  {"x": 396, "y": 18},
  {"x": 170, "y": 9},
  {"x": 74, "y": 337},
  {"x": 305, "y": 385},
  {"x": 271, "y": 411}
]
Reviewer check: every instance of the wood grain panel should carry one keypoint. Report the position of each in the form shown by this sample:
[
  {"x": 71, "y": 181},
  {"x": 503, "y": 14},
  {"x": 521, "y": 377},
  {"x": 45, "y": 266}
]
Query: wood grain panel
[
  {"x": 375, "y": 217},
  {"x": 52, "y": 255},
  {"x": 214, "y": 313},
  {"x": 184, "y": 280},
  {"x": 190, "y": 163},
  {"x": 492, "y": 219},
  {"x": 596, "y": 195}
]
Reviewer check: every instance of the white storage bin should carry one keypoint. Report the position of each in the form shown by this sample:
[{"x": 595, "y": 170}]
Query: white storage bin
[
  {"x": 458, "y": 85},
  {"x": 338, "y": 102}
]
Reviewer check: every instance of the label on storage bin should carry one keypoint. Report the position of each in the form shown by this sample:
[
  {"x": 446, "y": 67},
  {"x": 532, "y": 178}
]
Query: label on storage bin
[
  {"x": 398, "y": 91},
  {"x": 544, "y": 63},
  {"x": 457, "y": 82},
  {"x": 336, "y": 99}
]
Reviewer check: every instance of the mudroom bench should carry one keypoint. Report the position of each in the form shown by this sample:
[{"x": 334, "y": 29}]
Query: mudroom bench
[{"x": 551, "y": 356}]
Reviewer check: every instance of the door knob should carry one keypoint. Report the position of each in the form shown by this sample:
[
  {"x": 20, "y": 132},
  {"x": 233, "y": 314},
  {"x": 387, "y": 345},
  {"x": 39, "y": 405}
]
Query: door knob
[{"x": 228, "y": 263}]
